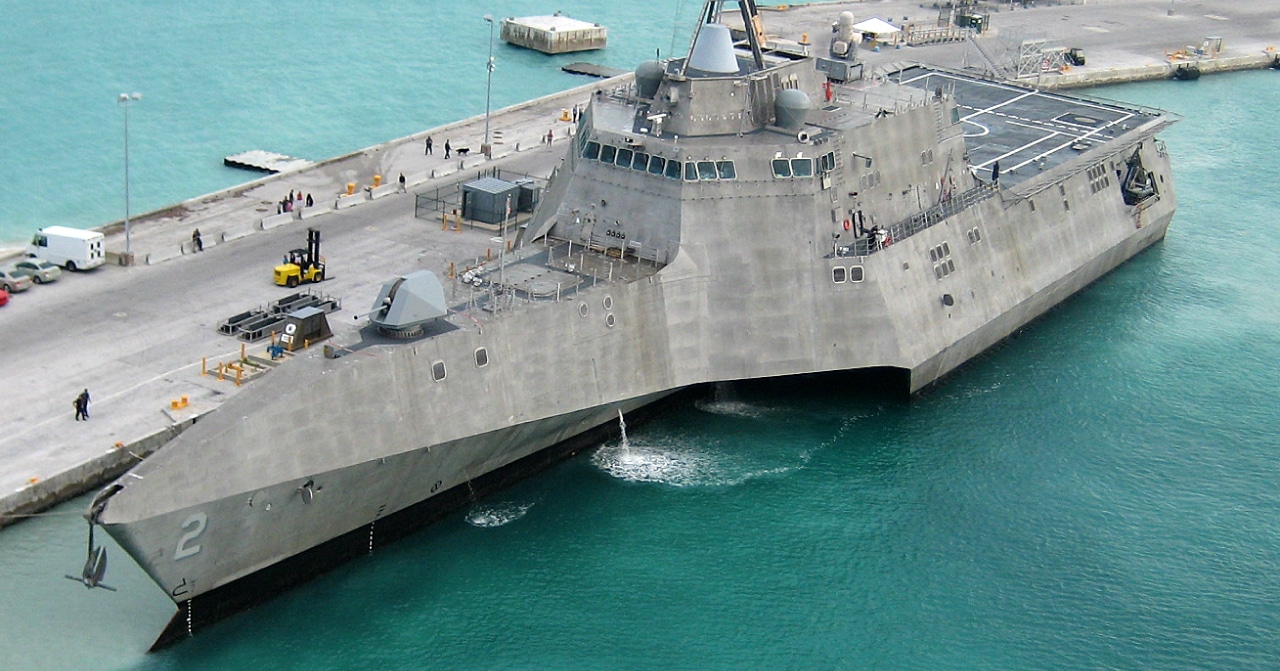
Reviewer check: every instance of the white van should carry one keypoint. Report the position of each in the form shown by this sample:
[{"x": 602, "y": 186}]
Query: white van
[{"x": 71, "y": 248}]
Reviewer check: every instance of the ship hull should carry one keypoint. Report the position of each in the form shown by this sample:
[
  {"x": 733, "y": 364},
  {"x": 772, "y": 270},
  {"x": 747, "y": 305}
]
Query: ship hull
[{"x": 277, "y": 574}]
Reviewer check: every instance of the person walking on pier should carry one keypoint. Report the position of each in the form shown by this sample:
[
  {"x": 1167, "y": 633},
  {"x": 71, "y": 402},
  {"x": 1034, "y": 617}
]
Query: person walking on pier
[
  {"x": 403, "y": 187},
  {"x": 446, "y": 149},
  {"x": 196, "y": 243},
  {"x": 82, "y": 406},
  {"x": 428, "y": 145}
]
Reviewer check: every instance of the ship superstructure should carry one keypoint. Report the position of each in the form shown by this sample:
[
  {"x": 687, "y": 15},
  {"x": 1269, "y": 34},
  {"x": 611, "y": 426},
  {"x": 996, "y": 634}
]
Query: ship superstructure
[{"x": 730, "y": 215}]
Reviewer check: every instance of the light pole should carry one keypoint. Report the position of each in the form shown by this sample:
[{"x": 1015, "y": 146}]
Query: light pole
[
  {"x": 488, "y": 91},
  {"x": 125, "y": 99}
]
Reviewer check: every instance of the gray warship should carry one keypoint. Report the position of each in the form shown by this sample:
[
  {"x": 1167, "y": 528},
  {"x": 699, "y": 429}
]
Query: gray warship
[{"x": 745, "y": 211}]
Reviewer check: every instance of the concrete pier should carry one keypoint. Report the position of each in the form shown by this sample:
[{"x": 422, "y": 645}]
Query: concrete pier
[
  {"x": 555, "y": 34},
  {"x": 137, "y": 337}
]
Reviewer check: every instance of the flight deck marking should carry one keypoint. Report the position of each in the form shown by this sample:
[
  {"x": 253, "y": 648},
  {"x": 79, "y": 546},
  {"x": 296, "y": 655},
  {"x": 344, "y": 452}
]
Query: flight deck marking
[
  {"x": 985, "y": 129},
  {"x": 993, "y": 108},
  {"x": 1005, "y": 87},
  {"x": 1015, "y": 150}
]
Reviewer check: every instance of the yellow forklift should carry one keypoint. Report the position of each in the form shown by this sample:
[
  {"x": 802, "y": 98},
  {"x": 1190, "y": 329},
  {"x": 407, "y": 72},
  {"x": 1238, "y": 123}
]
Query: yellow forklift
[{"x": 302, "y": 265}]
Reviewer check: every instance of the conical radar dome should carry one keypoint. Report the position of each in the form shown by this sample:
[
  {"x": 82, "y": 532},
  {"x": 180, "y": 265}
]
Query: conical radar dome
[
  {"x": 713, "y": 51},
  {"x": 648, "y": 77},
  {"x": 792, "y": 108}
]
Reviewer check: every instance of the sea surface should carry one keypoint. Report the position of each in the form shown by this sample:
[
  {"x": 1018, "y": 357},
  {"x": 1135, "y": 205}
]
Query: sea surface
[
  {"x": 306, "y": 78},
  {"x": 1101, "y": 492}
]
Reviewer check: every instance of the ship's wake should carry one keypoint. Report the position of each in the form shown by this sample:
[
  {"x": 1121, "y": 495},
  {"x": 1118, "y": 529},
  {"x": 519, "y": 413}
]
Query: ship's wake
[
  {"x": 724, "y": 401},
  {"x": 488, "y": 515},
  {"x": 731, "y": 408},
  {"x": 682, "y": 463}
]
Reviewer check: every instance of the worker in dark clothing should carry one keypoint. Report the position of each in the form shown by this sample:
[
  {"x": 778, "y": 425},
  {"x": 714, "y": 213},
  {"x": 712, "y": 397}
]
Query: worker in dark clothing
[{"x": 82, "y": 406}]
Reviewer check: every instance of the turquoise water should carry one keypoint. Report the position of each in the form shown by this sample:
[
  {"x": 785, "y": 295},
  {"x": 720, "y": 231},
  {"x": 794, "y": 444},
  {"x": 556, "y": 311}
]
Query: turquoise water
[
  {"x": 299, "y": 77},
  {"x": 1099, "y": 493}
]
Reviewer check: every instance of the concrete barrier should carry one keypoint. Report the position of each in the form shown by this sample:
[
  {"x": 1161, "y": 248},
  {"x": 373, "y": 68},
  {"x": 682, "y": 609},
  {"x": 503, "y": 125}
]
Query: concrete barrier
[
  {"x": 417, "y": 178},
  {"x": 473, "y": 161},
  {"x": 272, "y": 221},
  {"x": 385, "y": 190},
  {"x": 444, "y": 171},
  {"x": 235, "y": 233},
  {"x": 315, "y": 210},
  {"x": 190, "y": 247},
  {"x": 347, "y": 202},
  {"x": 163, "y": 254},
  {"x": 84, "y": 477}
]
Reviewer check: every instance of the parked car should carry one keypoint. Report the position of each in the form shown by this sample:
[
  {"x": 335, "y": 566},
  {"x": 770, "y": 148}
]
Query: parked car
[
  {"x": 38, "y": 269},
  {"x": 4, "y": 297},
  {"x": 13, "y": 281}
]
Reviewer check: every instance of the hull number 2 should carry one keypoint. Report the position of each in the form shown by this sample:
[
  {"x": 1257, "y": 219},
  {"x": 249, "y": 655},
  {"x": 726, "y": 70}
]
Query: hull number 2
[{"x": 194, "y": 526}]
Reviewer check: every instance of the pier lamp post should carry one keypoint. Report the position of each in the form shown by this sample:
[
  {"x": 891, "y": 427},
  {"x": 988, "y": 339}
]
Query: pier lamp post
[
  {"x": 486, "y": 148},
  {"x": 125, "y": 99}
]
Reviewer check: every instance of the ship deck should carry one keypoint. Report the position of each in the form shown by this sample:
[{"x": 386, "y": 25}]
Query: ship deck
[{"x": 1025, "y": 131}]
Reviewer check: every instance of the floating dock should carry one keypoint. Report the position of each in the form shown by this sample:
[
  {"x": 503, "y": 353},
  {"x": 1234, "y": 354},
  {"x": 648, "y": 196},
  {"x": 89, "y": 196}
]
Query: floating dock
[
  {"x": 264, "y": 161},
  {"x": 556, "y": 34},
  {"x": 591, "y": 69}
]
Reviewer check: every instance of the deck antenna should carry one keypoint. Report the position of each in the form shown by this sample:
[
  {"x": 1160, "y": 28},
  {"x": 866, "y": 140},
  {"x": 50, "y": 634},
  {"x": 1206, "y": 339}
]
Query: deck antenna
[{"x": 675, "y": 25}]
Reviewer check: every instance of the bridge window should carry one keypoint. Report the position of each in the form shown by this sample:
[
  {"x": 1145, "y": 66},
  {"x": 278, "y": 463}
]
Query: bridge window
[
  {"x": 690, "y": 172},
  {"x": 724, "y": 169},
  {"x": 673, "y": 169},
  {"x": 437, "y": 371},
  {"x": 855, "y": 273},
  {"x": 838, "y": 274},
  {"x": 826, "y": 162},
  {"x": 608, "y": 153},
  {"x": 781, "y": 167},
  {"x": 656, "y": 165},
  {"x": 593, "y": 150},
  {"x": 640, "y": 161},
  {"x": 706, "y": 170},
  {"x": 482, "y": 357},
  {"x": 624, "y": 158},
  {"x": 802, "y": 167}
]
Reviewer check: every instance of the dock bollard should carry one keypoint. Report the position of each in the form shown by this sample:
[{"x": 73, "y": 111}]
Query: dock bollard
[
  {"x": 377, "y": 181},
  {"x": 351, "y": 188},
  {"x": 444, "y": 221},
  {"x": 204, "y": 366}
]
